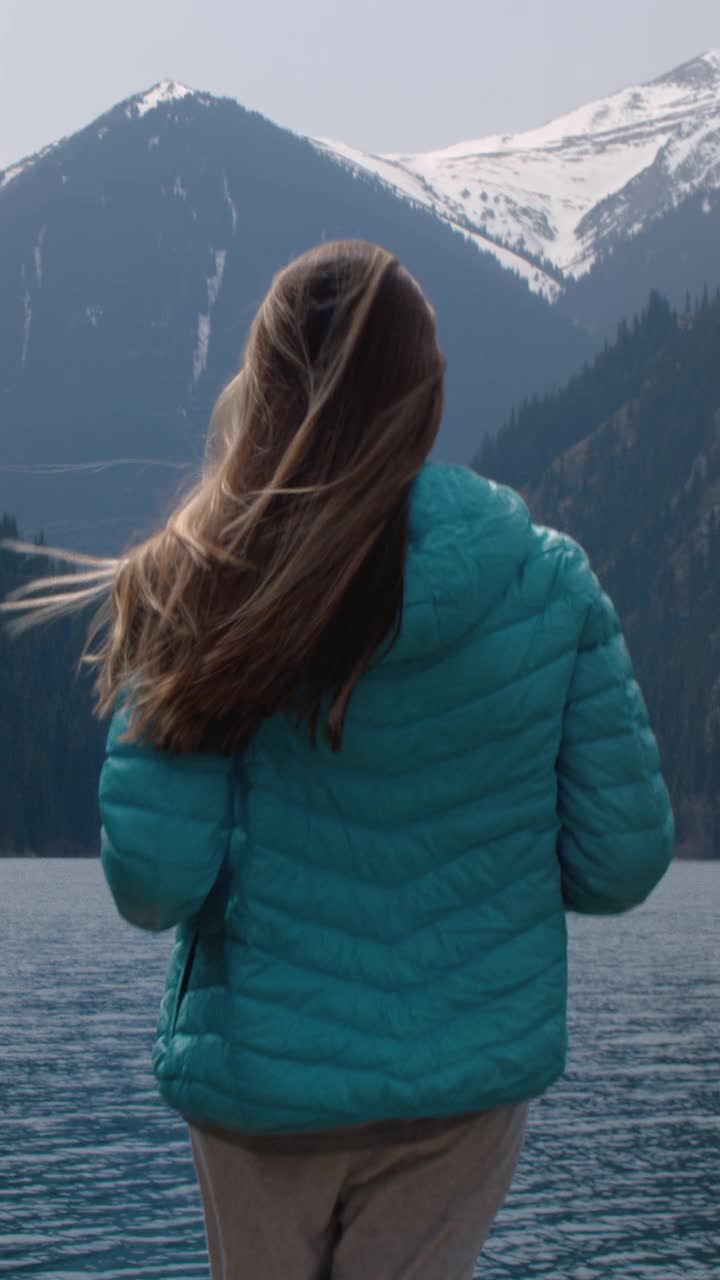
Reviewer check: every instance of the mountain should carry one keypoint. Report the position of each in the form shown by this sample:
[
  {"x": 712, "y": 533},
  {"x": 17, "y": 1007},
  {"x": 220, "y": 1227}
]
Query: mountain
[
  {"x": 133, "y": 256},
  {"x": 627, "y": 460},
  {"x": 554, "y": 202}
]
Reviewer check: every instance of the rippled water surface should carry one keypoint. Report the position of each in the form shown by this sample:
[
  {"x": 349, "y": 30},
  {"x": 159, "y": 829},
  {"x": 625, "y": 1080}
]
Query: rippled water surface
[{"x": 619, "y": 1179}]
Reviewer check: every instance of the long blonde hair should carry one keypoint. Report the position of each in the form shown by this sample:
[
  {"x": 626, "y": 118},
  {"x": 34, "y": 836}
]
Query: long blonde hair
[{"x": 277, "y": 578}]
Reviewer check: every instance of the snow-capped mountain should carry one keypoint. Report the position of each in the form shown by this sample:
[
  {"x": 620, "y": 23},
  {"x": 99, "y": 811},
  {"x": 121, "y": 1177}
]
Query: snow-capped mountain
[
  {"x": 551, "y": 202},
  {"x": 134, "y": 253}
]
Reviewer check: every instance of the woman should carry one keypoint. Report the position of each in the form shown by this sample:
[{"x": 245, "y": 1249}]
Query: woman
[{"x": 374, "y": 734}]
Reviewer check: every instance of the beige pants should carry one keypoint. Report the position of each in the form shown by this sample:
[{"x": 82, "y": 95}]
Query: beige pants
[{"x": 361, "y": 1203}]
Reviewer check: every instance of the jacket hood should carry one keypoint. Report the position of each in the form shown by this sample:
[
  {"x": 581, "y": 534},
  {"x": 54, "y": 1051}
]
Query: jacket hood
[{"x": 468, "y": 538}]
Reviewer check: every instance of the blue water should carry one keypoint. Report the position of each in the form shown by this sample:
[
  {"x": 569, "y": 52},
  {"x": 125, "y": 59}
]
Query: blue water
[{"x": 619, "y": 1179}]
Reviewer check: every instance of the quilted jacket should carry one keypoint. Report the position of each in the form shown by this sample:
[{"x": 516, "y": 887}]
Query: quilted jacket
[{"x": 382, "y": 933}]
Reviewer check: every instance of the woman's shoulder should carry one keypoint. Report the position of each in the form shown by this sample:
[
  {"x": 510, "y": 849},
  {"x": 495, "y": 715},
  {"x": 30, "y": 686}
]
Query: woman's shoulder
[
  {"x": 459, "y": 501},
  {"x": 448, "y": 494},
  {"x": 461, "y": 521}
]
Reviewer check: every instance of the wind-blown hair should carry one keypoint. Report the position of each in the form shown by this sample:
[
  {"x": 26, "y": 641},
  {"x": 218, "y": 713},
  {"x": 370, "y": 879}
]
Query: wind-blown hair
[{"x": 279, "y": 576}]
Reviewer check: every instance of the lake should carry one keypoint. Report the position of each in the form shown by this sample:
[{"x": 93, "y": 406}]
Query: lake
[{"x": 619, "y": 1179}]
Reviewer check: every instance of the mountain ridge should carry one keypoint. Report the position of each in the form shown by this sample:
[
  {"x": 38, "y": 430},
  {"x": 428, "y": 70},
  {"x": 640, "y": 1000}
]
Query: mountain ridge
[
  {"x": 552, "y": 201},
  {"x": 137, "y": 104}
]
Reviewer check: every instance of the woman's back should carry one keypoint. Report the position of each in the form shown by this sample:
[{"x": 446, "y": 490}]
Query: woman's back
[
  {"x": 386, "y": 935},
  {"x": 374, "y": 733}
]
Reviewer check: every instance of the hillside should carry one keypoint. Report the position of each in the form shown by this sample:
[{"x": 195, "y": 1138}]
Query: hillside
[
  {"x": 627, "y": 460},
  {"x": 677, "y": 254}
]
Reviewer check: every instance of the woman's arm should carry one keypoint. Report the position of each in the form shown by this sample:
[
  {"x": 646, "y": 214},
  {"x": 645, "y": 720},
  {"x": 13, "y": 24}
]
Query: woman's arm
[
  {"x": 166, "y": 822},
  {"x": 617, "y": 833}
]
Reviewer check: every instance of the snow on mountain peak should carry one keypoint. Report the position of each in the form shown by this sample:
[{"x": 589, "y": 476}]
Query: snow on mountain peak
[
  {"x": 14, "y": 170},
  {"x": 702, "y": 71},
  {"x": 165, "y": 91},
  {"x": 551, "y": 200}
]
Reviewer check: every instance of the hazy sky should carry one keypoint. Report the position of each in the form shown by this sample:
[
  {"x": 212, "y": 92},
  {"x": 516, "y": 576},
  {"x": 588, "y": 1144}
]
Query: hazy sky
[{"x": 385, "y": 75}]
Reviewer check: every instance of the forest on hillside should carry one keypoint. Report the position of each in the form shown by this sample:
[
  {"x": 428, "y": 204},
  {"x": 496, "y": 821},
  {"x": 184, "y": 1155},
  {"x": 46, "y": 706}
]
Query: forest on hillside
[
  {"x": 50, "y": 744},
  {"x": 627, "y": 459}
]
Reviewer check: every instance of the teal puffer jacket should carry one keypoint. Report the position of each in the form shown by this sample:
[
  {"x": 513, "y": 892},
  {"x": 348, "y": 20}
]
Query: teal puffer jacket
[{"x": 381, "y": 933}]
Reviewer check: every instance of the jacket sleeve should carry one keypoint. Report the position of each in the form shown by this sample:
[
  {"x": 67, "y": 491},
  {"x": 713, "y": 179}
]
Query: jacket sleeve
[
  {"x": 166, "y": 823},
  {"x": 616, "y": 837}
]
